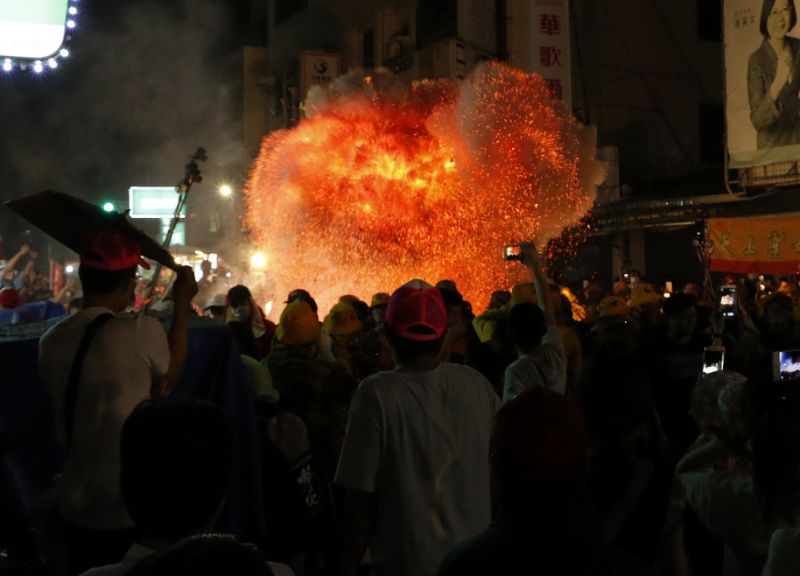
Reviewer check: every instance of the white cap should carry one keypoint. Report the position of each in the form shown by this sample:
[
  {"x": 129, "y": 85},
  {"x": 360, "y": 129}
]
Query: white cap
[{"x": 217, "y": 300}]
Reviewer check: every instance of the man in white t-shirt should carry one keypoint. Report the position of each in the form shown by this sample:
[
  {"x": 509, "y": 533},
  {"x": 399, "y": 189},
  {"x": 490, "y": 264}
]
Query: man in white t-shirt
[
  {"x": 534, "y": 331},
  {"x": 415, "y": 460},
  {"x": 129, "y": 358}
]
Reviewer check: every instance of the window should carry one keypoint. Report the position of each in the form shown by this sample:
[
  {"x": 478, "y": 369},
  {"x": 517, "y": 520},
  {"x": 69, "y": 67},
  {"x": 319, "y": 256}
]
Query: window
[
  {"x": 709, "y": 20},
  {"x": 436, "y": 20},
  {"x": 712, "y": 133},
  {"x": 286, "y": 8},
  {"x": 261, "y": 32},
  {"x": 369, "y": 49}
]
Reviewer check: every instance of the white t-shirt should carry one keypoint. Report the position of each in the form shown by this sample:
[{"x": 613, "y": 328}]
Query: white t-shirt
[
  {"x": 421, "y": 441},
  {"x": 527, "y": 373},
  {"x": 137, "y": 552},
  {"x": 728, "y": 507},
  {"x": 784, "y": 553},
  {"x": 124, "y": 356}
]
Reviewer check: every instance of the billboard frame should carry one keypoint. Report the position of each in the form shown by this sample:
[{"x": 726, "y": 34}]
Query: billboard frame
[
  {"x": 9, "y": 61},
  {"x": 166, "y": 214}
]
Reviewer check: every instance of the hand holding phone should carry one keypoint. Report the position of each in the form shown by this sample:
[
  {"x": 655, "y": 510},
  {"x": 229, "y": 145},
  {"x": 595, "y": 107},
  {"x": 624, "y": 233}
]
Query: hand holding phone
[
  {"x": 728, "y": 301},
  {"x": 713, "y": 359},
  {"x": 786, "y": 365},
  {"x": 513, "y": 252}
]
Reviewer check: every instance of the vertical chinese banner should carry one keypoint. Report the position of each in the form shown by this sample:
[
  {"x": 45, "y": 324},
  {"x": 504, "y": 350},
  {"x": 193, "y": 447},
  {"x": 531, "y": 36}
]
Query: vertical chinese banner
[
  {"x": 550, "y": 43},
  {"x": 549, "y": 38},
  {"x": 56, "y": 277}
]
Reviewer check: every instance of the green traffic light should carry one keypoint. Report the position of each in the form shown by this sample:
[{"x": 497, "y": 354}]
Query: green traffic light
[{"x": 108, "y": 207}]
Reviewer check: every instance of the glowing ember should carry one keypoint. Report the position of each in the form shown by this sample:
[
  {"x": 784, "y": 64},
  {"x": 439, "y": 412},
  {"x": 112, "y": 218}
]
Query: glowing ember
[{"x": 383, "y": 182}]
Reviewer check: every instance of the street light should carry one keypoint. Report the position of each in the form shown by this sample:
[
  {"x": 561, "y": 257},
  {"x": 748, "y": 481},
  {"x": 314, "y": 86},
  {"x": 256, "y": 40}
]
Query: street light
[
  {"x": 258, "y": 260},
  {"x": 225, "y": 190}
]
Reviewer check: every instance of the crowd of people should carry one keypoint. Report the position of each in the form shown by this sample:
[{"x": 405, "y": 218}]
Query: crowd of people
[
  {"x": 556, "y": 431},
  {"x": 23, "y": 282}
]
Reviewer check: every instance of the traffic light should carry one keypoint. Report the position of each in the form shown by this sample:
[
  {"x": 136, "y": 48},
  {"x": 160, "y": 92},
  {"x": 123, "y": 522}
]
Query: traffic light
[{"x": 108, "y": 207}]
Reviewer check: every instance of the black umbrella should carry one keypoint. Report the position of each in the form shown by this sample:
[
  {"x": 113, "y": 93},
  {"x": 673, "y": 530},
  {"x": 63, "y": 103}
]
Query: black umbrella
[{"x": 68, "y": 219}]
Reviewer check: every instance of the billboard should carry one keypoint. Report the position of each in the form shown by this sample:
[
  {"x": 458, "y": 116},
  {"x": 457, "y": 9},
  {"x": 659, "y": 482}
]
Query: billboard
[
  {"x": 153, "y": 202},
  {"x": 178, "y": 235},
  {"x": 318, "y": 69},
  {"x": 33, "y": 29},
  {"x": 762, "y": 79},
  {"x": 766, "y": 245}
]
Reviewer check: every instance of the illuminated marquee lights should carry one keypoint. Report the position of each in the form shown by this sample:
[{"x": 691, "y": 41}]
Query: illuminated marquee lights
[{"x": 36, "y": 65}]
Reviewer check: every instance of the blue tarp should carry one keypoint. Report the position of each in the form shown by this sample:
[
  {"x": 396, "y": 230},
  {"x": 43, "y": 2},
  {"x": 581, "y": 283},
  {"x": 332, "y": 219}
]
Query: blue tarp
[
  {"x": 30, "y": 455},
  {"x": 33, "y": 312}
]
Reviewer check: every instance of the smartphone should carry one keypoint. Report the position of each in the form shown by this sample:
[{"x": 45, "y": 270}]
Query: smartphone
[
  {"x": 669, "y": 286},
  {"x": 512, "y": 253},
  {"x": 713, "y": 359},
  {"x": 727, "y": 300},
  {"x": 786, "y": 365}
]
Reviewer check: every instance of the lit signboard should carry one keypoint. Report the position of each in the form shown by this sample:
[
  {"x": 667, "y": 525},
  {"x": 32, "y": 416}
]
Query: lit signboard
[
  {"x": 153, "y": 202},
  {"x": 33, "y": 29},
  {"x": 178, "y": 235}
]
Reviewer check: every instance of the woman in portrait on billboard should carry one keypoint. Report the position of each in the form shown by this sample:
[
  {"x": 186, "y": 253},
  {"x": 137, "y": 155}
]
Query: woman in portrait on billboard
[{"x": 773, "y": 77}]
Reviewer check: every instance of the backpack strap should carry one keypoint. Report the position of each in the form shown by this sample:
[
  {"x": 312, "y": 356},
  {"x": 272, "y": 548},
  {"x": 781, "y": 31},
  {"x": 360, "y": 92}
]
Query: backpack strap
[{"x": 71, "y": 393}]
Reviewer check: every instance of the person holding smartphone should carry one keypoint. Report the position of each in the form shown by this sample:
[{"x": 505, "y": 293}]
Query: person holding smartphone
[
  {"x": 534, "y": 331},
  {"x": 675, "y": 359}
]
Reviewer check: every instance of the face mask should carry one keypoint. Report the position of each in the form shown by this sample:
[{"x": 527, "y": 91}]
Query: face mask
[{"x": 242, "y": 312}]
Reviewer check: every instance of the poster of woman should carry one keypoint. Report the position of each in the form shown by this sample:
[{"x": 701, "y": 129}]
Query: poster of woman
[{"x": 762, "y": 76}]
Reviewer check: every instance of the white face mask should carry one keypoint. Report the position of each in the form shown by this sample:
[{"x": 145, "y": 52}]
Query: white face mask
[{"x": 242, "y": 312}]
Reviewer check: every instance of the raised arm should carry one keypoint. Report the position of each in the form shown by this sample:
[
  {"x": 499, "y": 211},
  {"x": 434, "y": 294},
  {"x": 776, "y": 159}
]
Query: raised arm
[
  {"x": 11, "y": 263},
  {"x": 184, "y": 289},
  {"x": 531, "y": 259}
]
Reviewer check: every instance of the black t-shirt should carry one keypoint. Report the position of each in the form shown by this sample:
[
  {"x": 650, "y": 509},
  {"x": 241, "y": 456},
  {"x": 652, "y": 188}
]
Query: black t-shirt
[
  {"x": 486, "y": 361},
  {"x": 546, "y": 548},
  {"x": 674, "y": 369}
]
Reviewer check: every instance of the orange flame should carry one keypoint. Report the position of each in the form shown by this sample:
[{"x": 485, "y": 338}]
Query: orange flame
[{"x": 384, "y": 182}]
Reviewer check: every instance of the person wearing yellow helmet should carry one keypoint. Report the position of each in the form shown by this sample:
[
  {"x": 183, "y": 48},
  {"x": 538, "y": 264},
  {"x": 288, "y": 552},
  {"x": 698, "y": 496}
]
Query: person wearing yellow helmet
[
  {"x": 612, "y": 311},
  {"x": 645, "y": 307},
  {"x": 343, "y": 325},
  {"x": 320, "y": 390}
]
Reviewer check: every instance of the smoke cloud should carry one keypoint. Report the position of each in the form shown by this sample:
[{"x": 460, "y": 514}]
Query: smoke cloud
[
  {"x": 138, "y": 94},
  {"x": 383, "y": 182}
]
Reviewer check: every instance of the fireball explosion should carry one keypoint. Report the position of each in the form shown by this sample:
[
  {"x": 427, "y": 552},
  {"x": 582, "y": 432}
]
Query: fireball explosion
[{"x": 384, "y": 182}]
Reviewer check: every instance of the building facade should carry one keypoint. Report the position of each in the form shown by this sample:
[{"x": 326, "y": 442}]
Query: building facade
[{"x": 648, "y": 75}]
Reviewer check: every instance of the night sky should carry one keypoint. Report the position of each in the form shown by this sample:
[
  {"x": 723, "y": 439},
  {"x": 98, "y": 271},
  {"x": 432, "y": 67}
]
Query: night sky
[{"x": 137, "y": 95}]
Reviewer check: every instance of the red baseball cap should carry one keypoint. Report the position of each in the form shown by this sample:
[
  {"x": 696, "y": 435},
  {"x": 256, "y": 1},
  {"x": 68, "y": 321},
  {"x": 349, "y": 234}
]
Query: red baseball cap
[
  {"x": 416, "y": 304},
  {"x": 115, "y": 251},
  {"x": 9, "y": 297},
  {"x": 540, "y": 435}
]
